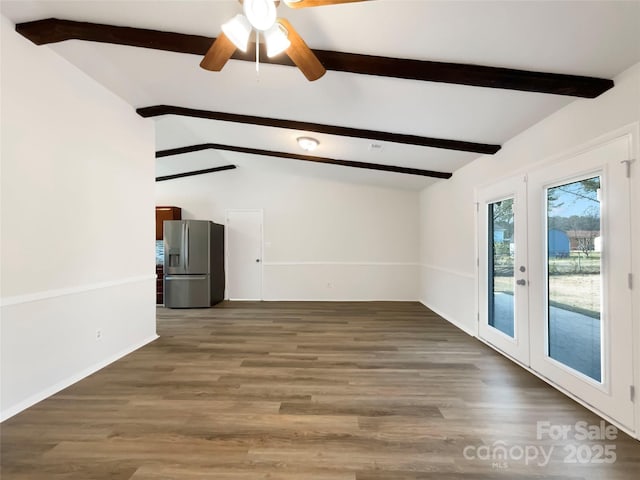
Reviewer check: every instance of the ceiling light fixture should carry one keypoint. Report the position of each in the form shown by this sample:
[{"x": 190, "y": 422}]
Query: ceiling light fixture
[
  {"x": 261, "y": 13},
  {"x": 261, "y": 16},
  {"x": 238, "y": 30},
  {"x": 277, "y": 40},
  {"x": 308, "y": 144}
]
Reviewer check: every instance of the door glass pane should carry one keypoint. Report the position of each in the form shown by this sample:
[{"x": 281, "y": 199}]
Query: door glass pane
[
  {"x": 501, "y": 254},
  {"x": 573, "y": 274}
]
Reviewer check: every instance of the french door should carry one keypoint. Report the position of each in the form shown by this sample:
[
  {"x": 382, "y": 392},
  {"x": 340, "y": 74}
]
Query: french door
[
  {"x": 554, "y": 262},
  {"x": 503, "y": 276}
]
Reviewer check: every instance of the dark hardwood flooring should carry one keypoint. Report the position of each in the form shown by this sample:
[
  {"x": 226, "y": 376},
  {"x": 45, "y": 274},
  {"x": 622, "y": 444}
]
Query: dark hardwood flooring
[{"x": 323, "y": 391}]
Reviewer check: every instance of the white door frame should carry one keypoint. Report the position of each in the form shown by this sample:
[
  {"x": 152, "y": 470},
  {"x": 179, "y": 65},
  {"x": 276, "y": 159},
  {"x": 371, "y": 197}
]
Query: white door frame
[{"x": 226, "y": 241}]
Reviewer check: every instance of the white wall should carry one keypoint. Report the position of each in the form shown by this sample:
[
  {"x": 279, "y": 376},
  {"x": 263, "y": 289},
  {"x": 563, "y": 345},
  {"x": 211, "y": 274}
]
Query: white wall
[
  {"x": 363, "y": 240},
  {"x": 448, "y": 259},
  {"x": 77, "y": 224}
]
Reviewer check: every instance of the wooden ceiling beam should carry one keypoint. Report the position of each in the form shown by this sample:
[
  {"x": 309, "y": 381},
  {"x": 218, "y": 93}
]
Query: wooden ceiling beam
[
  {"x": 482, "y": 148},
  {"x": 305, "y": 158},
  {"x": 53, "y": 30},
  {"x": 195, "y": 172}
]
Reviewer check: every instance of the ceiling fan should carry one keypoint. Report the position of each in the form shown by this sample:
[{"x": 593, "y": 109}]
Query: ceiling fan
[{"x": 279, "y": 36}]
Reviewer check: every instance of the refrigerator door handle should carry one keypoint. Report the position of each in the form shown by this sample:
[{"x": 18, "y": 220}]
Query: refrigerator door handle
[
  {"x": 185, "y": 277},
  {"x": 186, "y": 256},
  {"x": 183, "y": 238}
]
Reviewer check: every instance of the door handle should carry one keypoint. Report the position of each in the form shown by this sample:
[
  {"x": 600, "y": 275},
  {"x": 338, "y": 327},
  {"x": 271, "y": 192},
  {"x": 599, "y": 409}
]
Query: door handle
[
  {"x": 186, "y": 256},
  {"x": 521, "y": 282},
  {"x": 257, "y": 260},
  {"x": 185, "y": 277}
]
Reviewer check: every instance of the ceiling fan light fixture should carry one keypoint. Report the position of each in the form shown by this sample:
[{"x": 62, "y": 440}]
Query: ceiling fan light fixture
[
  {"x": 308, "y": 144},
  {"x": 277, "y": 40},
  {"x": 238, "y": 30},
  {"x": 260, "y": 13}
]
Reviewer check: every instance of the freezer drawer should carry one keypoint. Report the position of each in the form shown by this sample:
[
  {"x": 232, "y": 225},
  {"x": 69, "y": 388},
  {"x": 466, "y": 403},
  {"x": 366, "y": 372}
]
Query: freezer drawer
[{"x": 187, "y": 291}]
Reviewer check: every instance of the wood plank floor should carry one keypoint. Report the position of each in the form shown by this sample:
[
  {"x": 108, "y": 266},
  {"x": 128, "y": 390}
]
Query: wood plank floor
[{"x": 325, "y": 391}]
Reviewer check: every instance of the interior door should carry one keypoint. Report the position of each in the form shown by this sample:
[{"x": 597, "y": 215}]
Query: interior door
[
  {"x": 244, "y": 254},
  {"x": 502, "y": 267},
  {"x": 580, "y": 247}
]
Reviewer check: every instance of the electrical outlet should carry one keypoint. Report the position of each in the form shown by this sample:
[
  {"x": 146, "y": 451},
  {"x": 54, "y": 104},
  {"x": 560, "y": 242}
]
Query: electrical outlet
[
  {"x": 329, "y": 285},
  {"x": 98, "y": 334}
]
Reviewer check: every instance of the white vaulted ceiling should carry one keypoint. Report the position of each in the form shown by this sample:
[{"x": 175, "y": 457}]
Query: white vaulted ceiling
[{"x": 599, "y": 39}]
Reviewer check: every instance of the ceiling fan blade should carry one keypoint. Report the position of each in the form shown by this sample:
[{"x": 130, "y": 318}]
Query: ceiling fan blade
[
  {"x": 300, "y": 53},
  {"x": 317, "y": 3},
  {"x": 218, "y": 54}
]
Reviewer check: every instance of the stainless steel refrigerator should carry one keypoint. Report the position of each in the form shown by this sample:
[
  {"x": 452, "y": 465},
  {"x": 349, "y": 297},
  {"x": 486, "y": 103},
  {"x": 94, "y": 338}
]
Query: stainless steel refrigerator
[{"x": 193, "y": 263}]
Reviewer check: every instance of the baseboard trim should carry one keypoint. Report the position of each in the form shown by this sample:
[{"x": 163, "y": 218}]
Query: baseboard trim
[
  {"x": 52, "y": 390},
  {"x": 456, "y": 324}
]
